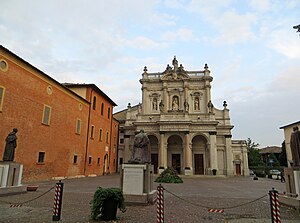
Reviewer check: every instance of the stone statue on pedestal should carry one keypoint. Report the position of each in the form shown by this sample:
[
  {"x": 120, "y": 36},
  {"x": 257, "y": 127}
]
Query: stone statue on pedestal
[
  {"x": 141, "y": 149},
  {"x": 295, "y": 146},
  {"x": 11, "y": 144}
]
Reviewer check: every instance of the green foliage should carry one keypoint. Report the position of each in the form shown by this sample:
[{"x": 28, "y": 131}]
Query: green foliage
[
  {"x": 101, "y": 195},
  {"x": 254, "y": 158},
  {"x": 282, "y": 156},
  {"x": 169, "y": 175}
]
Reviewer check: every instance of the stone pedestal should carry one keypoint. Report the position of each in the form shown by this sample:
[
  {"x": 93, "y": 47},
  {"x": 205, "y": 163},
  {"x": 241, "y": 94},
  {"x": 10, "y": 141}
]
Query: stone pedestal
[
  {"x": 11, "y": 177},
  {"x": 137, "y": 183},
  {"x": 292, "y": 182}
]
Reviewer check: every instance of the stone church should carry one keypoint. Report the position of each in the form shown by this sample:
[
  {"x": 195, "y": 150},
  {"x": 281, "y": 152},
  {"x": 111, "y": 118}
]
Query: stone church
[{"x": 186, "y": 131}]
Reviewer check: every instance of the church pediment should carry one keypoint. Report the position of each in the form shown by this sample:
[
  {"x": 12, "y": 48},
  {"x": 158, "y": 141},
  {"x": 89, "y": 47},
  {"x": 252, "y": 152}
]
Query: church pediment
[{"x": 175, "y": 72}]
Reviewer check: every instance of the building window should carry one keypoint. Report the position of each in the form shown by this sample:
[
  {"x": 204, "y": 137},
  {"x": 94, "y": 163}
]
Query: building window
[
  {"x": 107, "y": 136},
  {"x": 78, "y": 126},
  {"x": 94, "y": 103},
  {"x": 108, "y": 113},
  {"x": 2, "y": 90},
  {"x": 100, "y": 135},
  {"x": 115, "y": 140},
  {"x": 41, "y": 158},
  {"x": 90, "y": 160},
  {"x": 121, "y": 160},
  {"x": 98, "y": 161},
  {"x": 3, "y": 65},
  {"x": 121, "y": 141},
  {"x": 46, "y": 115},
  {"x": 92, "y": 131},
  {"x": 75, "y": 159},
  {"x": 102, "y": 108}
]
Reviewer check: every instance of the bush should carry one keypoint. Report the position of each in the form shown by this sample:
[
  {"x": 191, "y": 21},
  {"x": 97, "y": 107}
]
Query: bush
[
  {"x": 169, "y": 175},
  {"x": 101, "y": 195}
]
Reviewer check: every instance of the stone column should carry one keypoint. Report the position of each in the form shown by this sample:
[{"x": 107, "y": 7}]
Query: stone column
[
  {"x": 229, "y": 156},
  {"x": 162, "y": 154},
  {"x": 213, "y": 151},
  {"x": 245, "y": 167},
  {"x": 165, "y": 98},
  {"x": 188, "y": 170}
]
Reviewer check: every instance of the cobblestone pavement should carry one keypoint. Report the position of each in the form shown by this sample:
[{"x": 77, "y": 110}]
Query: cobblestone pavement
[{"x": 191, "y": 203}]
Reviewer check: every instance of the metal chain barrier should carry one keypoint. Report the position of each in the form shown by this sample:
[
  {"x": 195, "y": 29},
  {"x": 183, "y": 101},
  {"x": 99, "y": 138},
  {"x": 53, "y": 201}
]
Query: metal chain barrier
[
  {"x": 19, "y": 204},
  {"x": 211, "y": 208}
]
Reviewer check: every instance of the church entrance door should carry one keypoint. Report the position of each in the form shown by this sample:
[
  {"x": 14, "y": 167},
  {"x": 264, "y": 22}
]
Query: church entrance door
[
  {"x": 199, "y": 166},
  {"x": 176, "y": 162}
]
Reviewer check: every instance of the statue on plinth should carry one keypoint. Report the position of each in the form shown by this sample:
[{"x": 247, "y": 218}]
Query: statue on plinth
[
  {"x": 141, "y": 149},
  {"x": 295, "y": 146},
  {"x": 11, "y": 144}
]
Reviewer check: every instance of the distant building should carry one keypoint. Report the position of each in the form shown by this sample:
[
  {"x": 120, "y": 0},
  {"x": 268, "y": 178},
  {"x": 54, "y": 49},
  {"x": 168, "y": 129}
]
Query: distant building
[
  {"x": 265, "y": 152},
  {"x": 65, "y": 130},
  {"x": 185, "y": 130},
  {"x": 288, "y": 129}
]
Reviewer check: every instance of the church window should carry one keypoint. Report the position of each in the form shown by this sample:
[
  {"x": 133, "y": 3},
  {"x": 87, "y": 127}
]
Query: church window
[
  {"x": 100, "y": 135},
  {"x": 108, "y": 113},
  {"x": 92, "y": 131},
  {"x": 102, "y": 108},
  {"x": 94, "y": 102},
  {"x": 46, "y": 115},
  {"x": 2, "y": 90},
  {"x": 41, "y": 158},
  {"x": 78, "y": 126}
]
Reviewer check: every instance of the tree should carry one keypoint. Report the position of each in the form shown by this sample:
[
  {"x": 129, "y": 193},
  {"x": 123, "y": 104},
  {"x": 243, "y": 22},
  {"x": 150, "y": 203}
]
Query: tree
[
  {"x": 253, "y": 153},
  {"x": 282, "y": 156}
]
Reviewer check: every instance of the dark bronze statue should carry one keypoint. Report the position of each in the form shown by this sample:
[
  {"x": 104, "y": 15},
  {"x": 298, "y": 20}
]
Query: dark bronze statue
[
  {"x": 295, "y": 146},
  {"x": 11, "y": 144},
  {"x": 141, "y": 149}
]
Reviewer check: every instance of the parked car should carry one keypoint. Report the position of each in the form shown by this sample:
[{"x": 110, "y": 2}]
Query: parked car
[
  {"x": 275, "y": 172},
  {"x": 251, "y": 173}
]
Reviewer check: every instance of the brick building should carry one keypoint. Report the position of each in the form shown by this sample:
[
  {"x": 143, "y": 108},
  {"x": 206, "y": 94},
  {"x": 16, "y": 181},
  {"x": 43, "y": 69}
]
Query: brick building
[{"x": 59, "y": 127}]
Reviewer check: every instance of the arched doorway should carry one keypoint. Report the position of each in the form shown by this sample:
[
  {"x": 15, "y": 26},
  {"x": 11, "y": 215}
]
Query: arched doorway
[
  {"x": 175, "y": 148},
  {"x": 154, "y": 151},
  {"x": 200, "y": 163}
]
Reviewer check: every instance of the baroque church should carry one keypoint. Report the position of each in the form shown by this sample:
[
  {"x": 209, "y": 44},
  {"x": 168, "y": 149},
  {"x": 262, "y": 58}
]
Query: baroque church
[{"x": 186, "y": 131}]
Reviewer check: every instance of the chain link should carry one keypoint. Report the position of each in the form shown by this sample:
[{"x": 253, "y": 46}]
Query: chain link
[
  {"x": 203, "y": 206},
  {"x": 6, "y": 202}
]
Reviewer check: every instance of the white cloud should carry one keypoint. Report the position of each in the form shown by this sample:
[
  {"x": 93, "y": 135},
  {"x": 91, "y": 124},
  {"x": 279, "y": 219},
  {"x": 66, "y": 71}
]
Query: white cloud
[
  {"x": 142, "y": 42},
  {"x": 261, "y": 5},
  {"x": 182, "y": 34}
]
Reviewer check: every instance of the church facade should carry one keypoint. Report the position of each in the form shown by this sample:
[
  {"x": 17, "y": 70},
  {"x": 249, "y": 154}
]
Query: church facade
[{"x": 185, "y": 130}]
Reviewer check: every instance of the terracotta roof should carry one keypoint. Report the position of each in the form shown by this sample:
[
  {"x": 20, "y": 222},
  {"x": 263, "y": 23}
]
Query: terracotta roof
[{"x": 270, "y": 149}]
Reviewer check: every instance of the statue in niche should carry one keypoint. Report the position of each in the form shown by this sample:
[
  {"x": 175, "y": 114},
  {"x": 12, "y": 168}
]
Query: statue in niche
[
  {"x": 196, "y": 104},
  {"x": 295, "y": 146},
  {"x": 11, "y": 144},
  {"x": 141, "y": 149},
  {"x": 186, "y": 105},
  {"x": 161, "y": 106},
  {"x": 175, "y": 105},
  {"x": 154, "y": 104},
  {"x": 210, "y": 107}
]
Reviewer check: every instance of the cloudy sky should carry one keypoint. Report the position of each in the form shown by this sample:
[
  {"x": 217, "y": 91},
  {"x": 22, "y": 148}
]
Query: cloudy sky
[{"x": 251, "y": 48}]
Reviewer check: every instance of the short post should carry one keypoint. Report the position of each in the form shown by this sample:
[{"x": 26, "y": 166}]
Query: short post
[
  {"x": 57, "y": 201},
  {"x": 274, "y": 202},
  {"x": 160, "y": 204}
]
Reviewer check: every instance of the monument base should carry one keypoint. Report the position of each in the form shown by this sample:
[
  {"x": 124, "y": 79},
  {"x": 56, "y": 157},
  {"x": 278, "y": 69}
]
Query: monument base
[
  {"x": 137, "y": 184},
  {"x": 11, "y": 177},
  {"x": 292, "y": 183}
]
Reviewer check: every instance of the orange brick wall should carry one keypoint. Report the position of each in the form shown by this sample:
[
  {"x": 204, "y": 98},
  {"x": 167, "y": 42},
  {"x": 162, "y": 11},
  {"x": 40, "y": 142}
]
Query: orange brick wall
[
  {"x": 24, "y": 100},
  {"x": 98, "y": 148}
]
